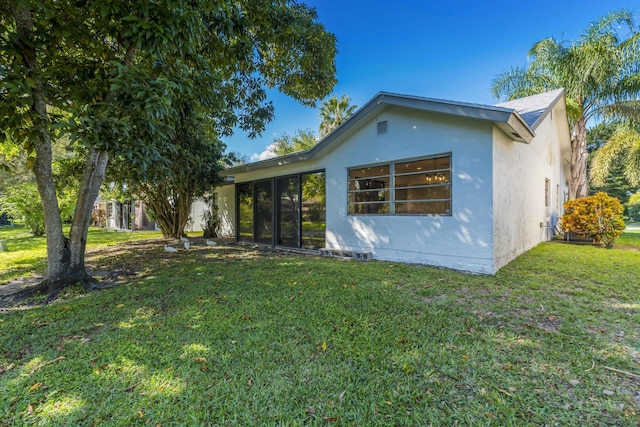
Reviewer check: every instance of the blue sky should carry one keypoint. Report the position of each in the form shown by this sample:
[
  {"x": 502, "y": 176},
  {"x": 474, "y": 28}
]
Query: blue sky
[{"x": 439, "y": 49}]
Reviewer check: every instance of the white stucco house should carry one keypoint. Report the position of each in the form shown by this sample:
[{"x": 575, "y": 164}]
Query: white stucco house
[{"x": 413, "y": 179}]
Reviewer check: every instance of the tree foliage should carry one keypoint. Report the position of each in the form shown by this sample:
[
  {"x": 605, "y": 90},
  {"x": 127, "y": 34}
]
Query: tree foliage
[
  {"x": 286, "y": 144},
  {"x": 599, "y": 72},
  {"x": 108, "y": 74},
  {"x": 634, "y": 207},
  {"x": 597, "y": 217},
  {"x": 333, "y": 112}
]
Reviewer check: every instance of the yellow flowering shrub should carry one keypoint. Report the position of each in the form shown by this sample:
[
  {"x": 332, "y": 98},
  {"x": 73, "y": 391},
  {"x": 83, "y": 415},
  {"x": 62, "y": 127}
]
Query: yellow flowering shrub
[{"x": 597, "y": 217}]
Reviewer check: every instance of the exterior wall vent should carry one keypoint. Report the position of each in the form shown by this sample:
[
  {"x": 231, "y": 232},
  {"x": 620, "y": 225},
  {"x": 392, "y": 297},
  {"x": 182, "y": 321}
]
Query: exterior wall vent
[{"x": 383, "y": 127}]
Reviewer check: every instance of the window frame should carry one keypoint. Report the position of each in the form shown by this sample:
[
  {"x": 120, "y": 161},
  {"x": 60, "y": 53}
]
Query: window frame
[{"x": 392, "y": 186}]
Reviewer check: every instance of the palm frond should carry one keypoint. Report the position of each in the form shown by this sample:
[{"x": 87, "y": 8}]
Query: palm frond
[
  {"x": 608, "y": 24},
  {"x": 520, "y": 82},
  {"x": 632, "y": 162},
  {"x": 619, "y": 145},
  {"x": 621, "y": 110}
]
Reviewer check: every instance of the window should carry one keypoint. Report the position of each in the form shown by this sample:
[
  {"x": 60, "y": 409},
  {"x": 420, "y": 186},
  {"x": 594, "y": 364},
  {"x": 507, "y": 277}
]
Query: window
[
  {"x": 369, "y": 190},
  {"x": 547, "y": 192},
  {"x": 417, "y": 187}
]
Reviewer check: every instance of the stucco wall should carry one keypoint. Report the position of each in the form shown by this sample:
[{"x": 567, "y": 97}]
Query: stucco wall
[
  {"x": 196, "y": 221},
  {"x": 226, "y": 210},
  {"x": 521, "y": 218},
  {"x": 461, "y": 241}
]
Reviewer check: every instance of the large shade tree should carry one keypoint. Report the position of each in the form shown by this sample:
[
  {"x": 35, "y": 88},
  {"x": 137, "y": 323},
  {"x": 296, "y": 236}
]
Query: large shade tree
[
  {"x": 600, "y": 74},
  {"x": 114, "y": 67}
]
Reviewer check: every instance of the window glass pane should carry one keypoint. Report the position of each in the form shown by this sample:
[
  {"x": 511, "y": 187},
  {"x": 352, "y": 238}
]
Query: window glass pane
[
  {"x": 430, "y": 178},
  {"x": 368, "y": 184},
  {"x": 423, "y": 208},
  {"x": 423, "y": 165},
  {"x": 313, "y": 210},
  {"x": 423, "y": 193},
  {"x": 369, "y": 208},
  {"x": 381, "y": 195},
  {"x": 373, "y": 171},
  {"x": 245, "y": 212}
]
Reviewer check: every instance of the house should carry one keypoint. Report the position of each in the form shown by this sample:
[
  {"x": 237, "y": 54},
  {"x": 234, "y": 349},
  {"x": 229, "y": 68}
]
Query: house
[
  {"x": 128, "y": 215},
  {"x": 412, "y": 179}
]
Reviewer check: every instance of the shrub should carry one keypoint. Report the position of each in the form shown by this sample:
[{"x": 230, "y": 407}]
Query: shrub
[
  {"x": 633, "y": 207},
  {"x": 597, "y": 217}
]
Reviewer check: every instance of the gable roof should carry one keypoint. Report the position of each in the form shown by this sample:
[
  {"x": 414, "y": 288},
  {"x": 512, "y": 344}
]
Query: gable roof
[
  {"x": 506, "y": 116},
  {"x": 533, "y": 109}
]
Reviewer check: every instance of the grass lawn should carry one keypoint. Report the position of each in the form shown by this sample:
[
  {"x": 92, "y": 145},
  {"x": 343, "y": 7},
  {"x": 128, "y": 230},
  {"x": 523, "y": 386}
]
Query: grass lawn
[
  {"x": 232, "y": 335},
  {"x": 27, "y": 254}
]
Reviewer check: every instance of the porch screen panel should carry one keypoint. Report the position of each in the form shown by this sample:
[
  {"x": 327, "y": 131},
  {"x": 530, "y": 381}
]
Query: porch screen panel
[
  {"x": 263, "y": 212},
  {"x": 245, "y": 212},
  {"x": 288, "y": 199},
  {"x": 313, "y": 210}
]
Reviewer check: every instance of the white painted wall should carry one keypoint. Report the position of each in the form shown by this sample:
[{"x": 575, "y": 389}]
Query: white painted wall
[
  {"x": 521, "y": 219},
  {"x": 461, "y": 241},
  {"x": 196, "y": 222},
  {"x": 226, "y": 197}
]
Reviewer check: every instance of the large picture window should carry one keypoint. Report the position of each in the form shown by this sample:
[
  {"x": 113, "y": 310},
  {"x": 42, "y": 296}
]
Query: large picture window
[{"x": 416, "y": 187}]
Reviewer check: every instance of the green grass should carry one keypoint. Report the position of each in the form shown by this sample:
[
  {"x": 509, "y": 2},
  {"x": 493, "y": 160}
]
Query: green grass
[
  {"x": 234, "y": 336},
  {"x": 27, "y": 254}
]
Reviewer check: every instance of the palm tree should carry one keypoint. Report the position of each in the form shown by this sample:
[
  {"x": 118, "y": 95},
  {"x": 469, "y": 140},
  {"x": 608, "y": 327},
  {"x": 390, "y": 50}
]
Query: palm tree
[
  {"x": 600, "y": 74},
  {"x": 333, "y": 113}
]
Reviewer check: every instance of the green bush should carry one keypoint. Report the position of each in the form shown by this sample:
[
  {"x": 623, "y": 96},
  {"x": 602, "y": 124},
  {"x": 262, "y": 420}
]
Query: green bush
[
  {"x": 597, "y": 217},
  {"x": 22, "y": 202}
]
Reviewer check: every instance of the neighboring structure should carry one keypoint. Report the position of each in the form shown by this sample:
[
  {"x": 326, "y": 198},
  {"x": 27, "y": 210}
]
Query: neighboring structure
[
  {"x": 414, "y": 179},
  {"x": 129, "y": 215}
]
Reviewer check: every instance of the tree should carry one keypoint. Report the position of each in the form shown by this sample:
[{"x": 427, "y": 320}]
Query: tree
[
  {"x": 170, "y": 187},
  {"x": 634, "y": 207},
  {"x": 334, "y": 112},
  {"x": 286, "y": 144},
  {"x": 114, "y": 68},
  {"x": 599, "y": 73}
]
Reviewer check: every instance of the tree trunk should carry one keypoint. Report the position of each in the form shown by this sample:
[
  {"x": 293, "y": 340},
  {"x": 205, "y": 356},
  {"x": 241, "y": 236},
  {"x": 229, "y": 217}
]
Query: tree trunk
[
  {"x": 92, "y": 177},
  {"x": 578, "y": 183},
  {"x": 57, "y": 244},
  {"x": 171, "y": 211}
]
